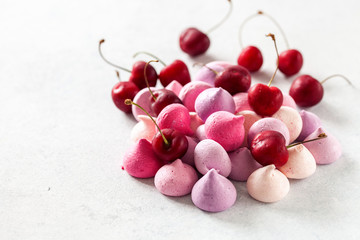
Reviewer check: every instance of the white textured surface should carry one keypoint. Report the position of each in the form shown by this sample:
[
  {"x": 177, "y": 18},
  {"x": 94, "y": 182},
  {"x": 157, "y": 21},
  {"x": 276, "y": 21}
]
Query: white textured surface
[{"x": 62, "y": 140}]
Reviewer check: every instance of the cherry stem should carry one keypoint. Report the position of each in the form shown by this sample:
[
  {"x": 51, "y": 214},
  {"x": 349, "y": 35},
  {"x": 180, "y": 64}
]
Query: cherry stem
[
  {"x": 222, "y": 20},
  {"x": 107, "y": 61},
  {"x": 151, "y": 55},
  {"x": 277, "y": 53},
  {"x": 146, "y": 80},
  {"x": 271, "y": 19},
  {"x": 337, "y": 75},
  {"x": 129, "y": 102},
  {"x": 321, "y": 136},
  {"x": 204, "y": 65},
  {"x": 118, "y": 75}
]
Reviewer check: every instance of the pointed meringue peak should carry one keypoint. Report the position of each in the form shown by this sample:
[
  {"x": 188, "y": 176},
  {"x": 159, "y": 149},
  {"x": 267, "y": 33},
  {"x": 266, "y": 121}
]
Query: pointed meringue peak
[
  {"x": 174, "y": 86},
  {"x": 213, "y": 192},
  {"x": 145, "y": 129},
  {"x": 326, "y": 150}
]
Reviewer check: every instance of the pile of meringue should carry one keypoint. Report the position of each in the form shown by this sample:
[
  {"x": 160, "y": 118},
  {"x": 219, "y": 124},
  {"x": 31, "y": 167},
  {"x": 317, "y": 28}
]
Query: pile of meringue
[{"x": 219, "y": 129}]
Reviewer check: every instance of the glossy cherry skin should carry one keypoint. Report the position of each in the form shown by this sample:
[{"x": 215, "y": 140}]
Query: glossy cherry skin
[
  {"x": 306, "y": 91},
  {"x": 177, "y": 70},
  {"x": 122, "y": 91},
  {"x": 250, "y": 58},
  {"x": 265, "y": 100},
  {"x": 163, "y": 97},
  {"x": 178, "y": 145},
  {"x": 269, "y": 147},
  {"x": 234, "y": 79},
  {"x": 194, "y": 42},
  {"x": 137, "y": 75},
  {"x": 290, "y": 62}
]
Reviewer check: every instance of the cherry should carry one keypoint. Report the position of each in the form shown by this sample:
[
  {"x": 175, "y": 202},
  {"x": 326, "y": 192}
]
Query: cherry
[
  {"x": 177, "y": 70},
  {"x": 234, "y": 79},
  {"x": 266, "y": 100},
  {"x": 122, "y": 91},
  {"x": 250, "y": 58},
  {"x": 137, "y": 72},
  {"x": 269, "y": 147},
  {"x": 194, "y": 42},
  {"x": 307, "y": 91},
  {"x": 290, "y": 62},
  {"x": 168, "y": 144}
]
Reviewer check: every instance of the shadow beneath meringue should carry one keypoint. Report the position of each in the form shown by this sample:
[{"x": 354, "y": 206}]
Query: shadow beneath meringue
[
  {"x": 146, "y": 181},
  {"x": 182, "y": 200}
]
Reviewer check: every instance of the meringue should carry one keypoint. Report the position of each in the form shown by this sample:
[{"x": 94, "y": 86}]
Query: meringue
[
  {"x": 145, "y": 129},
  {"x": 310, "y": 123},
  {"x": 209, "y": 154},
  {"x": 241, "y": 102},
  {"x": 188, "y": 158},
  {"x": 190, "y": 92},
  {"x": 288, "y": 101},
  {"x": 267, "y": 124},
  {"x": 212, "y": 100},
  {"x": 206, "y": 75},
  {"x": 142, "y": 98},
  {"x": 140, "y": 160},
  {"x": 301, "y": 163},
  {"x": 225, "y": 128},
  {"x": 174, "y": 86},
  {"x": 195, "y": 121},
  {"x": 200, "y": 132},
  {"x": 250, "y": 118},
  {"x": 268, "y": 184},
  {"x": 177, "y": 117},
  {"x": 242, "y": 164},
  {"x": 213, "y": 192},
  {"x": 175, "y": 179},
  {"x": 326, "y": 150},
  {"x": 292, "y": 120}
]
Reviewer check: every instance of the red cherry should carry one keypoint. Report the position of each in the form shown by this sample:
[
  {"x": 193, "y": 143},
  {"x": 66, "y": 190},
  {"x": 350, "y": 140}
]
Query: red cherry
[
  {"x": 265, "y": 100},
  {"x": 175, "y": 148},
  {"x": 122, "y": 91},
  {"x": 290, "y": 62},
  {"x": 164, "y": 97},
  {"x": 306, "y": 91},
  {"x": 137, "y": 75},
  {"x": 269, "y": 147},
  {"x": 234, "y": 79},
  {"x": 250, "y": 58},
  {"x": 177, "y": 70},
  {"x": 194, "y": 42}
]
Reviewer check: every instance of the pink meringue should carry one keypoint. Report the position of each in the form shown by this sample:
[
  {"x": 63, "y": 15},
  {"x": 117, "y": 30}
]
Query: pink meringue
[
  {"x": 140, "y": 160},
  {"x": 250, "y": 118},
  {"x": 145, "y": 129},
  {"x": 301, "y": 163},
  {"x": 288, "y": 101},
  {"x": 143, "y": 99},
  {"x": 311, "y": 122},
  {"x": 225, "y": 128},
  {"x": 175, "y": 179},
  {"x": 209, "y": 154},
  {"x": 267, "y": 124},
  {"x": 268, "y": 184},
  {"x": 188, "y": 158},
  {"x": 326, "y": 150},
  {"x": 242, "y": 164},
  {"x": 174, "y": 86},
  {"x": 200, "y": 132},
  {"x": 190, "y": 92},
  {"x": 213, "y": 192},
  {"x": 206, "y": 75},
  {"x": 212, "y": 100},
  {"x": 177, "y": 117},
  {"x": 292, "y": 120},
  {"x": 195, "y": 121},
  {"x": 241, "y": 102}
]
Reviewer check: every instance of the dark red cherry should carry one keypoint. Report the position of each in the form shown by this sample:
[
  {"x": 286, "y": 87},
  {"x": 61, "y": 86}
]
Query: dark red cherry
[
  {"x": 194, "y": 42},
  {"x": 290, "y": 62},
  {"x": 137, "y": 75},
  {"x": 306, "y": 91},
  {"x": 265, "y": 100},
  {"x": 177, "y": 70},
  {"x": 234, "y": 79},
  {"x": 164, "y": 97},
  {"x": 122, "y": 91},
  {"x": 250, "y": 58},
  {"x": 269, "y": 147},
  {"x": 176, "y": 147}
]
